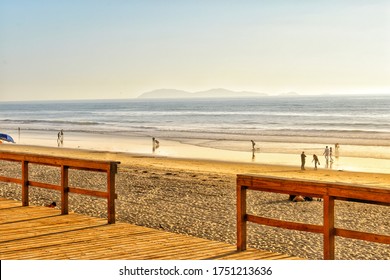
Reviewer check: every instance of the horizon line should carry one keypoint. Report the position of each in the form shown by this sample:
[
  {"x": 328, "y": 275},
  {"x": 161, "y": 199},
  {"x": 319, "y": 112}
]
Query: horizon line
[{"x": 261, "y": 95}]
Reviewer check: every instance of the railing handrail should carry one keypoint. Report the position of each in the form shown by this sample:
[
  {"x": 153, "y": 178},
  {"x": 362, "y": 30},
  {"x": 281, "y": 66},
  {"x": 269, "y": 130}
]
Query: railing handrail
[
  {"x": 109, "y": 167},
  {"x": 327, "y": 190}
]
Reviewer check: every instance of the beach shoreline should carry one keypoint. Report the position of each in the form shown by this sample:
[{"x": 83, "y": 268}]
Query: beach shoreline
[{"x": 359, "y": 158}]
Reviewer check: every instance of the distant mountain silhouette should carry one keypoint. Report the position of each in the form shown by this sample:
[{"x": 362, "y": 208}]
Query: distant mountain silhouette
[
  {"x": 291, "y": 93},
  {"x": 165, "y": 93},
  {"x": 212, "y": 93}
]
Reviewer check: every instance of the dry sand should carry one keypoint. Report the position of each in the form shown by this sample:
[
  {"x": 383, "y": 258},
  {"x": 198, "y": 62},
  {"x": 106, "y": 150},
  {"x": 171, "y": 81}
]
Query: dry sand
[{"x": 197, "y": 197}]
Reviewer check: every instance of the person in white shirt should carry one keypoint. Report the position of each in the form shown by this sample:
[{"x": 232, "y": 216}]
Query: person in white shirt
[{"x": 326, "y": 153}]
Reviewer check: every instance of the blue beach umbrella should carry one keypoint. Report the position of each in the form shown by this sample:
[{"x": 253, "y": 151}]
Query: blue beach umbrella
[{"x": 6, "y": 137}]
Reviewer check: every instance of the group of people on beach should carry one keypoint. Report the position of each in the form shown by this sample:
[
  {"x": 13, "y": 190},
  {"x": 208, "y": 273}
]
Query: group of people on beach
[
  {"x": 315, "y": 160},
  {"x": 328, "y": 154}
]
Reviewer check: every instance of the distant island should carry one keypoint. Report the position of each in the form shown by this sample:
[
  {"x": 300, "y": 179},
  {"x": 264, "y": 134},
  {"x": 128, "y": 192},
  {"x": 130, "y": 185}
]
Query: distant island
[{"x": 212, "y": 93}]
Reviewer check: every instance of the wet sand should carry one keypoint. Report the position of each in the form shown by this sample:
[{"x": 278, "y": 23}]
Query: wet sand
[{"x": 350, "y": 157}]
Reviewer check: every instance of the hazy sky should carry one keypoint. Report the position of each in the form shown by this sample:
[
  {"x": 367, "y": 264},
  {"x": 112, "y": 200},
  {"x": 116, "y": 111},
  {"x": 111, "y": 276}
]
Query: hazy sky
[{"x": 81, "y": 49}]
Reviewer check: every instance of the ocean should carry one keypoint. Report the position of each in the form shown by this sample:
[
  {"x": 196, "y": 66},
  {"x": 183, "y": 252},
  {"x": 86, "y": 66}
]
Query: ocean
[
  {"x": 351, "y": 117},
  {"x": 294, "y": 122}
]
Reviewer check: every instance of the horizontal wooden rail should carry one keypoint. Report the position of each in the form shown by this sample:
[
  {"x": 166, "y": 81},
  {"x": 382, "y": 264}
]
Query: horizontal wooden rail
[
  {"x": 108, "y": 167},
  {"x": 328, "y": 191},
  {"x": 10, "y": 180}
]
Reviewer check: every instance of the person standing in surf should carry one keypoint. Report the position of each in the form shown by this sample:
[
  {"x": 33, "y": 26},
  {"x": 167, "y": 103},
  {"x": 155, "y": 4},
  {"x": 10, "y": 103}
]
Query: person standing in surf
[
  {"x": 303, "y": 160},
  {"x": 316, "y": 161}
]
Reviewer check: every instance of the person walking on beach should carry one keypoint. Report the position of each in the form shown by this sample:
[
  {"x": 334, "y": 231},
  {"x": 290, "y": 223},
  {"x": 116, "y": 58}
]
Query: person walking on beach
[
  {"x": 60, "y": 138},
  {"x": 336, "y": 147},
  {"x": 253, "y": 149},
  {"x": 303, "y": 160},
  {"x": 155, "y": 144},
  {"x": 330, "y": 154},
  {"x": 326, "y": 154},
  {"x": 316, "y": 161}
]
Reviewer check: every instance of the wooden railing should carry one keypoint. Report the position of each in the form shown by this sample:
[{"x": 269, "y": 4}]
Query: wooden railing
[
  {"x": 109, "y": 167},
  {"x": 329, "y": 192}
]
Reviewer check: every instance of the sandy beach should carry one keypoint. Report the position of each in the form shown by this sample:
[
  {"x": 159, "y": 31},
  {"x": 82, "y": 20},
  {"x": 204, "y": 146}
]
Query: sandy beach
[{"x": 197, "y": 197}]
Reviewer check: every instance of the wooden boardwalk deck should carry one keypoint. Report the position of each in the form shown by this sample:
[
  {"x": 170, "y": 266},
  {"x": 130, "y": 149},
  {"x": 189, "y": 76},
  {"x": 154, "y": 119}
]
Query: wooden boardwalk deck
[{"x": 37, "y": 233}]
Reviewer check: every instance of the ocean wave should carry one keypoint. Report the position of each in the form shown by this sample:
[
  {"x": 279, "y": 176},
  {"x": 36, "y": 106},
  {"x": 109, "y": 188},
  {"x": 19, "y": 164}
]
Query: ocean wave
[
  {"x": 61, "y": 122},
  {"x": 246, "y": 127},
  {"x": 335, "y": 115},
  {"x": 226, "y": 134}
]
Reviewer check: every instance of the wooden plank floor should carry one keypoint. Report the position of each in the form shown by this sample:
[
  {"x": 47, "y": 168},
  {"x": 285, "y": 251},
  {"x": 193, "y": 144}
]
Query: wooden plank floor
[{"x": 38, "y": 233}]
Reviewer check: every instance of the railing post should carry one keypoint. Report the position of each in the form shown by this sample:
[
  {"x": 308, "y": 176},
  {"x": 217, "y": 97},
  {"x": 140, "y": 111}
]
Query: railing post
[
  {"x": 329, "y": 230},
  {"x": 64, "y": 190},
  {"x": 241, "y": 218},
  {"x": 111, "y": 192},
  {"x": 25, "y": 183}
]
